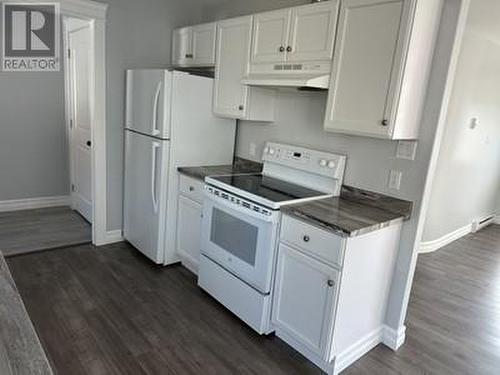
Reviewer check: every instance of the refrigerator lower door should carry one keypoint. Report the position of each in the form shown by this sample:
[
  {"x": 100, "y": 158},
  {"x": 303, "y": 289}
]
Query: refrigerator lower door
[
  {"x": 148, "y": 92},
  {"x": 146, "y": 159}
]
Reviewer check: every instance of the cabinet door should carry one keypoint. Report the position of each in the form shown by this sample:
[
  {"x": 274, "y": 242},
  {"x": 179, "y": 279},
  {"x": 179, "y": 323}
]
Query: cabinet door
[
  {"x": 312, "y": 32},
  {"x": 270, "y": 36},
  {"x": 189, "y": 229},
  {"x": 304, "y": 298},
  {"x": 204, "y": 44},
  {"x": 182, "y": 48},
  {"x": 233, "y": 49},
  {"x": 365, "y": 53}
]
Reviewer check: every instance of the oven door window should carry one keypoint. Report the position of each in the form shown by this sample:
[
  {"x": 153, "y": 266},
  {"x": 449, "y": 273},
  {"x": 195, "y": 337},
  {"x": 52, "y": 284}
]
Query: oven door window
[{"x": 236, "y": 236}]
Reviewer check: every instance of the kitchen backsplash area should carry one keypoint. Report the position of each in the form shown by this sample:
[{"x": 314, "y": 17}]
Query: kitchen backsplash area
[{"x": 299, "y": 120}]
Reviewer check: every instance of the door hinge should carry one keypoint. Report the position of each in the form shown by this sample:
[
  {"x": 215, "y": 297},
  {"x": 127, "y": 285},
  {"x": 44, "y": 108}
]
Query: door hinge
[
  {"x": 71, "y": 123},
  {"x": 73, "y": 188}
]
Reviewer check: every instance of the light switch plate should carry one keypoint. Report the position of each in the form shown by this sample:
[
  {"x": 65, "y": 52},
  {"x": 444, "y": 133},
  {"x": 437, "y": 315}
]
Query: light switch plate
[
  {"x": 407, "y": 150},
  {"x": 395, "y": 178}
]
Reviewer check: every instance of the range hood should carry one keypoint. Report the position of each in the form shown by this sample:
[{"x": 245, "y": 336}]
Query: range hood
[{"x": 292, "y": 79}]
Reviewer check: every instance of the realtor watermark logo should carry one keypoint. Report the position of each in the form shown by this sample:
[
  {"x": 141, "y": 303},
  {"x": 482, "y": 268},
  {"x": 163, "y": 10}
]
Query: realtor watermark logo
[{"x": 31, "y": 37}]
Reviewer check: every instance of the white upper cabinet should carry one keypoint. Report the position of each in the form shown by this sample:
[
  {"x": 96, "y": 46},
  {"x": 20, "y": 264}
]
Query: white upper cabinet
[
  {"x": 182, "y": 46},
  {"x": 194, "y": 46},
  {"x": 380, "y": 67},
  {"x": 204, "y": 37},
  {"x": 270, "y": 36},
  {"x": 231, "y": 98},
  {"x": 312, "y": 32},
  {"x": 300, "y": 34}
]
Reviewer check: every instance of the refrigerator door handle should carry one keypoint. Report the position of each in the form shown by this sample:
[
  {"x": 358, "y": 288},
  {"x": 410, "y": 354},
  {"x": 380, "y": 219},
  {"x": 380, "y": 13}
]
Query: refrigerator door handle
[
  {"x": 156, "y": 131},
  {"x": 154, "y": 147}
]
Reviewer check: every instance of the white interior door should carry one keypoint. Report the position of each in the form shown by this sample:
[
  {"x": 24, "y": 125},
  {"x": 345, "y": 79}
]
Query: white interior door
[{"x": 81, "y": 128}]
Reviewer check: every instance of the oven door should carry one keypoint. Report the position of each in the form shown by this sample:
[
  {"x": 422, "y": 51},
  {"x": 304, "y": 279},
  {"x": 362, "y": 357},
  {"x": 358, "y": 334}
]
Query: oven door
[{"x": 240, "y": 240}]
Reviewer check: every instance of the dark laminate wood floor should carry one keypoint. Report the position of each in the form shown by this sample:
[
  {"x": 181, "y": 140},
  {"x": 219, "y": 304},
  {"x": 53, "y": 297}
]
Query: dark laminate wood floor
[
  {"x": 47, "y": 228},
  {"x": 109, "y": 311}
]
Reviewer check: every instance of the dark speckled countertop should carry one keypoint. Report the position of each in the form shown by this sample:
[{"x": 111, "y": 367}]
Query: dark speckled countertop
[
  {"x": 354, "y": 213},
  {"x": 240, "y": 166}
]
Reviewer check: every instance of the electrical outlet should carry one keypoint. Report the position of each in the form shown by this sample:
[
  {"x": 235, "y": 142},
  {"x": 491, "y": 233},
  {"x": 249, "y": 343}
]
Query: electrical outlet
[
  {"x": 253, "y": 149},
  {"x": 406, "y": 150},
  {"x": 395, "y": 178}
]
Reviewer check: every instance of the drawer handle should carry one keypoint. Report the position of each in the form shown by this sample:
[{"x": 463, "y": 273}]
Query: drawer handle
[
  {"x": 330, "y": 283},
  {"x": 306, "y": 238},
  {"x": 191, "y": 188}
]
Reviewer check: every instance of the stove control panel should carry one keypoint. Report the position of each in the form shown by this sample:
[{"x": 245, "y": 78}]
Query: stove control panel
[{"x": 311, "y": 161}]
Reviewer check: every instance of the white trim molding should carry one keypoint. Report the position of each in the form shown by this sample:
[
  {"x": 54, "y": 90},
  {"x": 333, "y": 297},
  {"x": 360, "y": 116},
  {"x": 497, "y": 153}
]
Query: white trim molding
[
  {"x": 95, "y": 13},
  {"x": 430, "y": 246},
  {"x": 393, "y": 339},
  {"x": 357, "y": 350},
  {"x": 113, "y": 236},
  {"x": 34, "y": 203}
]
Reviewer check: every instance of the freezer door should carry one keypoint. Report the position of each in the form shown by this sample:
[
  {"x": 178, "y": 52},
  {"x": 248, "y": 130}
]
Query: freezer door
[
  {"x": 144, "y": 205},
  {"x": 148, "y": 92}
]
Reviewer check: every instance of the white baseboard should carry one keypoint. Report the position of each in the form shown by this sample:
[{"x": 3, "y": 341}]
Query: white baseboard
[
  {"x": 113, "y": 236},
  {"x": 392, "y": 338},
  {"x": 430, "y": 246},
  {"x": 358, "y": 349},
  {"x": 34, "y": 203}
]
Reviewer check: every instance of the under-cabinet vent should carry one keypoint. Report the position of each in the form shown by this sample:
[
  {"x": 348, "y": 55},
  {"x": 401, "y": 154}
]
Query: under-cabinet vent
[
  {"x": 479, "y": 224},
  {"x": 288, "y": 67}
]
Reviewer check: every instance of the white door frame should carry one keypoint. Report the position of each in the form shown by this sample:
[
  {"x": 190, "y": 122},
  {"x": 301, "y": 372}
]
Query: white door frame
[{"x": 95, "y": 14}]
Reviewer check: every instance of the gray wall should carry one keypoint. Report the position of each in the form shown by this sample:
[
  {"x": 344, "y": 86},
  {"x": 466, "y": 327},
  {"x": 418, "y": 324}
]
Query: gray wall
[
  {"x": 299, "y": 120},
  {"x": 138, "y": 35},
  {"x": 33, "y": 152},
  {"x": 467, "y": 182}
]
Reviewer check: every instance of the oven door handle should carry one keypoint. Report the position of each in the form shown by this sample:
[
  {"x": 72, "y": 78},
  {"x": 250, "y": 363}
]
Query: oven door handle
[{"x": 221, "y": 202}]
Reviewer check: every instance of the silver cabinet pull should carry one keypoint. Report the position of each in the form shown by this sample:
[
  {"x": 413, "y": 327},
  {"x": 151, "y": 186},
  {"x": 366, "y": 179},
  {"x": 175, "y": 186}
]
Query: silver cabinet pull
[
  {"x": 191, "y": 188},
  {"x": 189, "y": 55},
  {"x": 281, "y": 49},
  {"x": 385, "y": 122},
  {"x": 289, "y": 49},
  {"x": 241, "y": 107},
  {"x": 306, "y": 238},
  {"x": 330, "y": 283}
]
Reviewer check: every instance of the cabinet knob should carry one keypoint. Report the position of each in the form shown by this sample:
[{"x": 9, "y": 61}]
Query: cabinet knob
[
  {"x": 330, "y": 283},
  {"x": 281, "y": 49},
  {"x": 385, "y": 122},
  {"x": 289, "y": 49},
  {"x": 189, "y": 55},
  {"x": 306, "y": 238},
  {"x": 89, "y": 143},
  {"x": 191, "y": 188},
  {"x": 241, "y": 107}
]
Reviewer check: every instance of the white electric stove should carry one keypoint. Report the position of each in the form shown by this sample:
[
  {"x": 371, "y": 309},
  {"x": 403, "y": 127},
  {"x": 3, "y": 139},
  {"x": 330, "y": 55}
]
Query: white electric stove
[{"x": 241, "y": 220}]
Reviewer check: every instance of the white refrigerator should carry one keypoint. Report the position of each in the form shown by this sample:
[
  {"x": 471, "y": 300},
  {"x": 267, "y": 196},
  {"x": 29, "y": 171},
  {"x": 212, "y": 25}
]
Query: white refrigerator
[{"x": 169, "y": 123}]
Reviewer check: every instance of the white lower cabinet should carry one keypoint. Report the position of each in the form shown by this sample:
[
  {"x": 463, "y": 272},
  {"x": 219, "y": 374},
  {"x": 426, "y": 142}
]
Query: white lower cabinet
[
  {"x": 331, "y": 292},
  {"x": 189, "y": 221},
  {"x": 304, "y": 299}
]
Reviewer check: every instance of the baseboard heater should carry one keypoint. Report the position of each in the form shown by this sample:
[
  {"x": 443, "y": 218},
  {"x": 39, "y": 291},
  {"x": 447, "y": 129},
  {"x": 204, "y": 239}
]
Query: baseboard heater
[{"x": 479, "y": 224}]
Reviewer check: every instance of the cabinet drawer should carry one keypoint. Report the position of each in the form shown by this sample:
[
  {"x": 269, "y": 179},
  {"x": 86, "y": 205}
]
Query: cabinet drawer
[
  {"x": 191, "y": 188},
  {"x": 319, "y": 243}
]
